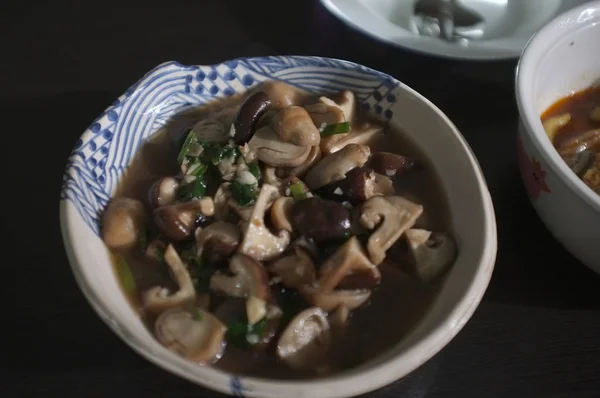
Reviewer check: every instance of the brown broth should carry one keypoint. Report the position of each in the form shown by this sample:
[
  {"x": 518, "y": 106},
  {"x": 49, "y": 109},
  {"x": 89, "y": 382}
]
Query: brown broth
[
  {"x": 396, "y": 305},
  {"x": 579, "y": 105}
]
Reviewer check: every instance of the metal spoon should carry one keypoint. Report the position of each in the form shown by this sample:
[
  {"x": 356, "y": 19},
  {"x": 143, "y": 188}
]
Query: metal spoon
[{"x": 448, "y": 15}]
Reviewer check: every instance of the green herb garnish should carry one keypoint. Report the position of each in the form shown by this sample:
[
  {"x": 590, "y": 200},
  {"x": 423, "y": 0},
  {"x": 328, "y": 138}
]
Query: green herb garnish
[
  {"x": 255, "y": 170},
  {"x": 187, "y": 145},
  {"x": 298, "y": 190},
  {"x": 197, "y": 169},
  {"x": 244, "y": 336},
  {"x": 196, "y": 314},
  {"x": 244, "y": 194},
  {"x": 125, "y": 274},
  {"x": 337, "y": 128},
  {"x": 195, "y": 189}
]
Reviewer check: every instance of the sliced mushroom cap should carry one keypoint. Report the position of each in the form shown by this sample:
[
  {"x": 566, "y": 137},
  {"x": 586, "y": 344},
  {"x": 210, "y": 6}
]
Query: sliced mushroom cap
[
  {"x": 391, "y": 164},
  {"x": 323, "y": 114},
  {"x": 259, "y": 242},
  {"x": 335, "y": 166},
  {"x": 433, "y": 253},
  {"x": 122, "y": 222},
  {"x": 211, "y": 130},
  {"x": 348, "y": 262},
  {"x": 192, "y": 333},
  {"x": 295, "y": 125},
  {"x": 163, "y": 192},
  {"x": 313, "y": 157},
  {"x": 320, "y": 220},
  {"x": 294, "y": 269},
  {"x": 360, "y": 184},
  {"x": 158, "y": 298},
  {"x": 178, "y": 221},
  {"x": 306, "y": 244},
  {"x": 344, "y": 100},
  {"x": 305, "y": 341},
  {"x": 283, "y": 95},
  {"x": 271, "y": 150},
  {"x": 249, "y": 279},
  {"x": 281, "y": 213},
  {"x": 391, "y": 215},
  {"x": 351, "y": 299},
  {"x": 250, "y": 112},
  {"x": 364, "y": 134},
  {"x": 216, "y": 242}
]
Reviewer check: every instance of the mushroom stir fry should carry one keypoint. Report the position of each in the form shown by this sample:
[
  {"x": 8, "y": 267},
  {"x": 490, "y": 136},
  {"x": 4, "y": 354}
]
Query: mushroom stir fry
[
  {"x": 573, "y": 126},
  {"x": 276, "y": 228}
]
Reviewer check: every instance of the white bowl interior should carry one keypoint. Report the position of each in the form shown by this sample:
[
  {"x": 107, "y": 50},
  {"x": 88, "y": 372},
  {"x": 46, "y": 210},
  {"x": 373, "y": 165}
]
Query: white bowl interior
[
  {"x": 558, "y": 62},
  {"x": 475, "y": 229},
  {"x": 509, "y": 25}
]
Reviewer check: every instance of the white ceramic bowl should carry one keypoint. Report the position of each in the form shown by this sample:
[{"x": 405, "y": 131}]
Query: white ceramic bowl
[
  {"x": 560, "y": 59},
  {"x": 509, "y": 25},
  {"x": 106, "y": 148}
]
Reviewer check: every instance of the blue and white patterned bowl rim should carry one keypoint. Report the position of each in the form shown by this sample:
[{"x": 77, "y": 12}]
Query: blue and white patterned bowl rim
[{"x": 105, "y": 149}]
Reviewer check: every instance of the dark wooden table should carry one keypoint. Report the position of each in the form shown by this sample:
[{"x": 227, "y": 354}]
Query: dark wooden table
[{"x": 536, "y": 333}]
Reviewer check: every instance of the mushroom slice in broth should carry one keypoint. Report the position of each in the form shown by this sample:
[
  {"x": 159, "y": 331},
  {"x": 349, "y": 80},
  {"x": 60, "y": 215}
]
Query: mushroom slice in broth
[
  {"x": 192, "y": 333},
  {"x": 295, "y": 268},
  {"x": 259, "y": 242},
  {"x": 433, "y": 253},
  {"x": 334, "y": 167},
  {"x": 391, "y": 215},
  {"x": 305, "y": 341},
  {"x": 158, "y": 298},
  {"x": 249, "y": 279}
]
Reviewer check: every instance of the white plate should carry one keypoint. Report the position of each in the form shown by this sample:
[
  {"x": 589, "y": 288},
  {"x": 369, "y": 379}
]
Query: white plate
[{"x": 509, "y": 25}]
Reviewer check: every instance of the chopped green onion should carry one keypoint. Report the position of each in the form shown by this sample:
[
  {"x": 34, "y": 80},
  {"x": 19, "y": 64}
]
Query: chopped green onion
[
  {"x": 255, "y": 170},
  {"x": 196, "y": 314},
  {"x": 187, "y": 144},
  {"x": 244, "y": 194},
  {"x": 197, "y": 169},
  {"x": 125, "y": 275},
  {"x": 337, "y": 128},
  {"x": 193, "y": 190},
  {"x": 298, "y": 190},
  {"x": 239, "y": 333}
]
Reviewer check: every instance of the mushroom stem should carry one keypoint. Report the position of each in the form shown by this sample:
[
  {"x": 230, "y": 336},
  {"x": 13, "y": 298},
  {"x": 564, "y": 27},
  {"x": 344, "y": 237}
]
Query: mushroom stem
[
  {"x": 259, "y": 242},
  {"x": 157, "y": 298}
]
